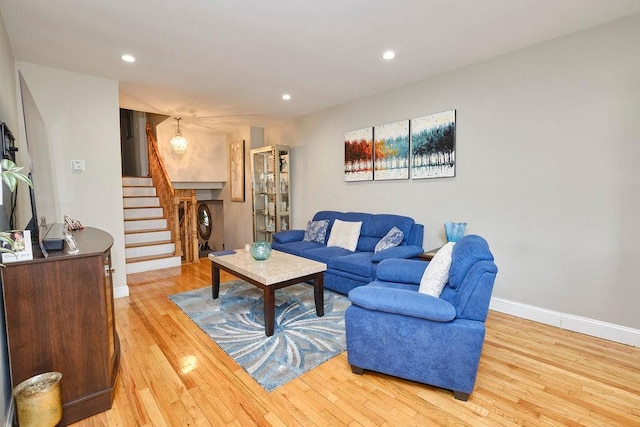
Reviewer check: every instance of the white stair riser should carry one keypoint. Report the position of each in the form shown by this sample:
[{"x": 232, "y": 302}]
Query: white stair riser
[
  {"x": 138, "y": 191},
  {"x": 151, "y": 250},
  {"x": 136, "y": 181},
  {"x": 156, "y": 264},
  {"x": 154, "y": 236},
  {"x": 147, "y": 224},
  {"x": 141, "y": 202},
  {"x": 139, "y": 213}
]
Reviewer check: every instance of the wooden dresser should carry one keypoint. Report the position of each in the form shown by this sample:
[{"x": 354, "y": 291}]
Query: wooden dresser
[{"x": 59, "y": 317}]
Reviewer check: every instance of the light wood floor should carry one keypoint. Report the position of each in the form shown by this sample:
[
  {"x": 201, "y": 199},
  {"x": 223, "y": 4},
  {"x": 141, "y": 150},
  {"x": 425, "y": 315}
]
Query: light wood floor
[{"x": 530, "y": 374}]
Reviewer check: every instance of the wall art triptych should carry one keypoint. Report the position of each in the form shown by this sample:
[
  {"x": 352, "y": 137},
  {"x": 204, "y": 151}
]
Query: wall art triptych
[
  {"x": 358, "y": 155},
  {"x": 423, "y": 147}
]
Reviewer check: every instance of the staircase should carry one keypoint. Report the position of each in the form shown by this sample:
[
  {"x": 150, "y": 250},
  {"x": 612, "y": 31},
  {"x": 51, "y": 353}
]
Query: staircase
[{"x": 148, "y": 244}]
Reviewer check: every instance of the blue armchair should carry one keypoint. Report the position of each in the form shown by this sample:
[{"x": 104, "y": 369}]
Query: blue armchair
[{"x": 393, "y": 329}]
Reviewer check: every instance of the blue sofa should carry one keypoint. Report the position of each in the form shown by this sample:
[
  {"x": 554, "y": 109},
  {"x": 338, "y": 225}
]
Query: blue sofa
[
  {"x": 393, "y": 329},
  {"x": 346, "y": 269}
]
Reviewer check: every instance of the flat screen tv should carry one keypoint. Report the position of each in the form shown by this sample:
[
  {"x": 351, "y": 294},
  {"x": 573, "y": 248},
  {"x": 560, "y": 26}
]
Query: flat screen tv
[{"x": 42, "y": 194}]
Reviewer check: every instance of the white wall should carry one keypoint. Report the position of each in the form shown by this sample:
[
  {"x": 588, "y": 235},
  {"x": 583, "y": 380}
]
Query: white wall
[
  {"x": 238, "y": 217},
  {"x": 8, "y": 103},
  {"x": 206, "y": 158},
  {"x": 547, "y": 152},
  {"x": 81, "y": 116}
]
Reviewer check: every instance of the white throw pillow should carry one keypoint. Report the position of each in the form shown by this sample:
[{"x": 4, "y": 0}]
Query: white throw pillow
[
  {"x": 436, "y": 275},
  {"x": 345, "y": 234}
]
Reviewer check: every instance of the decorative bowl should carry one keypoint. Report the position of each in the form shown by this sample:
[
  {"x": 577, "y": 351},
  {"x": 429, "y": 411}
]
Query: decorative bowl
[{"x": 260, "y": 250}]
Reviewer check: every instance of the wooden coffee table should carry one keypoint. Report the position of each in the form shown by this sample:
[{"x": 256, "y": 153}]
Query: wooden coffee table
[{"x": 279, "y": 271}]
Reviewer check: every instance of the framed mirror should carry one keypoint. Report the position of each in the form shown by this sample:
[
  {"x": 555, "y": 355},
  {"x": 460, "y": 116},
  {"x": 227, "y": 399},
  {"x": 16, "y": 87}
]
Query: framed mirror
[{"x": 204, "y": 222}]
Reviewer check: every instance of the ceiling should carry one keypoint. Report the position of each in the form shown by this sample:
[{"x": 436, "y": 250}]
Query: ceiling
[{"x": 222, "y": 64}]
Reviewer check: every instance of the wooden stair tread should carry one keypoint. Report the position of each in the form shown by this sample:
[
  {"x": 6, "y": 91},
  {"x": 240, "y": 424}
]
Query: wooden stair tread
[
  {"x": 149, "y": 258},
  {"x": 146, "y": 218},
  {"x": 146, "y": 230},
  {"x": 143, "y": 244}
]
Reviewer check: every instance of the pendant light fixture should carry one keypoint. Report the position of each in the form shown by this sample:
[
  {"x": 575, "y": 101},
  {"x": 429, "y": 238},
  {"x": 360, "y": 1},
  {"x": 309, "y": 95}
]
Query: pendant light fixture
[{"x": 178, "y": 142}]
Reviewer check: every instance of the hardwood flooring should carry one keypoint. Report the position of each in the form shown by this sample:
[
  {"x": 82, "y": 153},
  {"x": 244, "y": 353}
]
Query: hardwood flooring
[{"x": 172, "y": 374}]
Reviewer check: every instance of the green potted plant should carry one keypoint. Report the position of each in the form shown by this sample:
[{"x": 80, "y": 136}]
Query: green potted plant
[{"x": 11, "y": 174}]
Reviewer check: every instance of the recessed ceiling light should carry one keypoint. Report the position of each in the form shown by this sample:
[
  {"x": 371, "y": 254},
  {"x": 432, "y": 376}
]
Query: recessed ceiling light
[
  {"x": 286, "y": 97},
  {"x": 128, "y": 58},
  {"x": 388, "y": 55}
]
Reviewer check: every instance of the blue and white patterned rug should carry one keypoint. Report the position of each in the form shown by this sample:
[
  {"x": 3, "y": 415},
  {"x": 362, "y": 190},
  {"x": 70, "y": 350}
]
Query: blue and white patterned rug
[{"x": 300, "y": 342}]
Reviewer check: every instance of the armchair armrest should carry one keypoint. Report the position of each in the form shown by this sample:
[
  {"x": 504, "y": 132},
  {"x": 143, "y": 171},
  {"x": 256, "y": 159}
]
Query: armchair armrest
[
  {"x": 403, "y": 302},
  {"x": 401, "y": 270},
  {"x": 407, "y": 251},
  {"x": 288, "y": 236}
]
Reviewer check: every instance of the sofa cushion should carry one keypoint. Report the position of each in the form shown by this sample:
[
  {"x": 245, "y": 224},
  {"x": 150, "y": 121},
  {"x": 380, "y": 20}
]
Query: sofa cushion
[
  {"x": 408, "y": 271},
  {"x": 409, "y": 251},
  {"x": 288, "y": 236},
  {"x": 296, "y": 248},
  {"x": 343, "y": 216},
  {"x": 316, "y": 231},
  {"x": 466, "y": 253},
  {"x": 345, "y": 234},
  {"x": 392, "y": 238},
  {"x": 358, "y": 263},
  {"x": 403, "y": 302},
  {"x": 347, "y": 276},
  {"x": 325, "y": 254},
  {"x": 436, "y": 275},
  {"x": 378, "y": 226}
]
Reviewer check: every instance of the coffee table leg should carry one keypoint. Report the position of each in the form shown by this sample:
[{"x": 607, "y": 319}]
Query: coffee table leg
[
  {"x": 269, "y": 310},
  {"x": 215, "y": 280},
  {"x": 318, "y": 293}
]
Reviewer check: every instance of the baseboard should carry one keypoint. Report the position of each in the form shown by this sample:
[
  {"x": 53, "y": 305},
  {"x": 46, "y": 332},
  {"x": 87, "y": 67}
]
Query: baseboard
[
  {"x": 120, "y": 291},
  {"x": 583, "y": 325}
]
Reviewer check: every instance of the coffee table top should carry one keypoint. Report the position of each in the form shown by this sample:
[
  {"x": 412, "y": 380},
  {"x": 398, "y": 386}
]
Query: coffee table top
[{"x": 278, "y": 268}]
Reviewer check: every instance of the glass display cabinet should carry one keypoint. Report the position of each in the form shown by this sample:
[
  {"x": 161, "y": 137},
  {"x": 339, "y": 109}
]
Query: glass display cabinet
[{"x": 270, "y": 191}]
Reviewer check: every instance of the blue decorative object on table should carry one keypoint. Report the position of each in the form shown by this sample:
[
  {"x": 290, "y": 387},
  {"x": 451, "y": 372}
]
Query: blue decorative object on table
[
  {"x": 260, "y": 250},
  {"x": 454, "y": 230},
  {"x": 221, "y": 253}
]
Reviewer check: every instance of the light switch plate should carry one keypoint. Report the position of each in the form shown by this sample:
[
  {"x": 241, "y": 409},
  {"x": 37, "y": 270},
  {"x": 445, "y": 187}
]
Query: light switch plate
[{"x": 77, "y": 165}]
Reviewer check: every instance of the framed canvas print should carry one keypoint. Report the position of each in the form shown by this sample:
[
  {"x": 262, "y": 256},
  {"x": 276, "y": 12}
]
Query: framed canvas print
[
  {"x": 433, "y": 145},
  {"x": 391, "y": 151},
  {"x": 358, "y": 155},
  {"x": 236, "y": 171}
]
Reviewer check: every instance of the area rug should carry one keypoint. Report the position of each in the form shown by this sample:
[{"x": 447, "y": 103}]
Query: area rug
[{"x": 300, "y": 342}]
